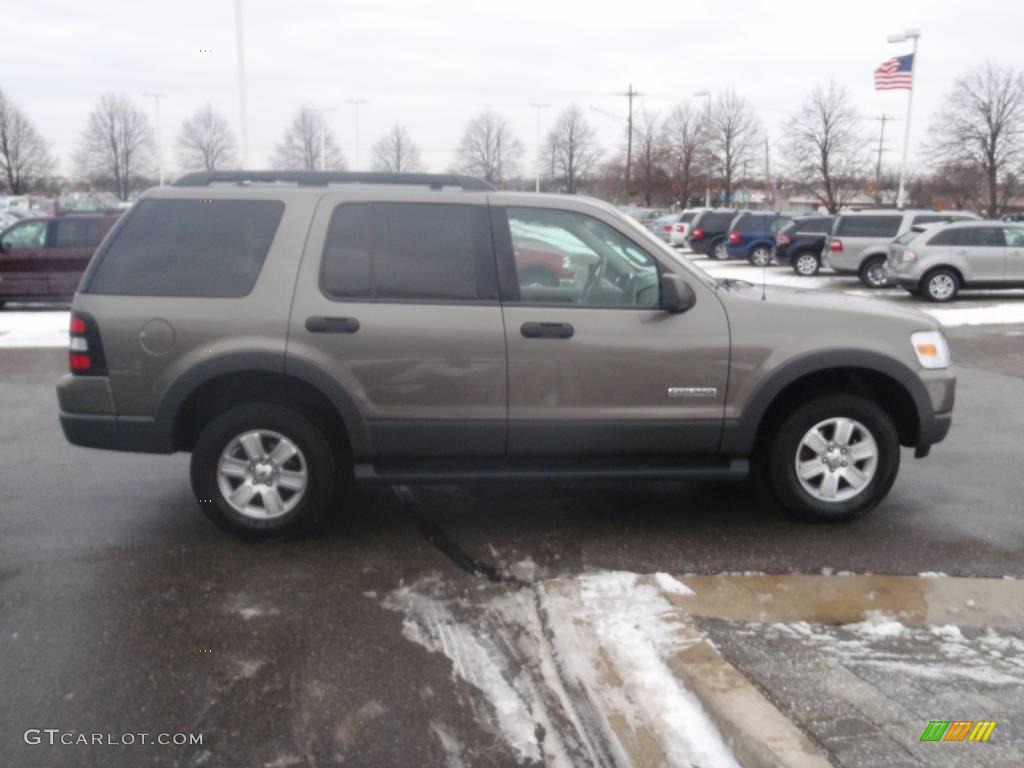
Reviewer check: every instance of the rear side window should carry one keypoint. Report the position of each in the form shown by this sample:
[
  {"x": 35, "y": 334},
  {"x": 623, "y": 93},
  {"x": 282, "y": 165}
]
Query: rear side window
[
  {"x": 820, "y": 226},
  {"x": 408, "y": 251},
  {"x": 188, "y": 248},
  {"x": 748, "y": 223},
  {"x": 868, "y": 226},
  {"x": 77, "y": 233},
  {"x": 716, "y": 222},
  {"x": 686, "y": 218},
  {"x": 945, "y": 237}
]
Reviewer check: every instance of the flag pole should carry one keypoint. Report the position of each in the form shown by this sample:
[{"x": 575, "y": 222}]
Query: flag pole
[{"x": 901, "y": 194}]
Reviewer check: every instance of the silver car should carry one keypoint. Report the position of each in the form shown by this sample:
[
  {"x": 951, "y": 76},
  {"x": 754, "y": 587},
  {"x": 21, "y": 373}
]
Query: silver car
[
  {"x": 860, "y": 239},
  {"x": 936, "y": 262}
]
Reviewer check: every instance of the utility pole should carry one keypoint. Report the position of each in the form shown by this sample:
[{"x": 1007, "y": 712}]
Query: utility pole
[
  {"x": 767, "y": 175},
  {"x": 539, "y": 107},
  {"x": 356, "y": 103},
  {"x": 159, "y": 145},
  {"x": 881, "y": 148},
  {"x": 629, "y": 94},
  {"x": 243, "y": 119}
]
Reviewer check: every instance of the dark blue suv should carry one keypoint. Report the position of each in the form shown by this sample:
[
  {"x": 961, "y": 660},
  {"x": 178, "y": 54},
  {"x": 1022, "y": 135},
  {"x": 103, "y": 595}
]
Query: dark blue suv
[{"x": 752, "y": 236}]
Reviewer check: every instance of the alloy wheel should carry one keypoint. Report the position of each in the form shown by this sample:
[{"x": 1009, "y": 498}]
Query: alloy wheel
[
  {"x": 941, "y": 287},
  {"x": 836, "y": 459},
  {"x": 806, "y": 265},
  {"x": 262, "y": 474}
]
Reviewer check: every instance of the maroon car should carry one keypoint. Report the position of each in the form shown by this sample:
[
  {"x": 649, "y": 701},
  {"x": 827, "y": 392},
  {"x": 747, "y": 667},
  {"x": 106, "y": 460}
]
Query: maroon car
[{"x": 42, "y": 259}]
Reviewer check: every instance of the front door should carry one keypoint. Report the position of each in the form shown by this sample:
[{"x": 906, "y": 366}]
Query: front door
[
  {"x": 22, "y": 268},
  {"x": 595, "y": 367},
  {"x": 398, "y": 302}
]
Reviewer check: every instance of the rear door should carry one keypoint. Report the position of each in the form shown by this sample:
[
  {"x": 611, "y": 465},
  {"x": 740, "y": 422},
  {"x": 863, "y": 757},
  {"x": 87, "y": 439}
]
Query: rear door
[
  {"x": 397, "y": 300},
  {"x": 595, "y": 368},
  {"x": 72, "y": 245},
  {"x": 22, "y": 267},
  {"x": 983, "y": 249}
]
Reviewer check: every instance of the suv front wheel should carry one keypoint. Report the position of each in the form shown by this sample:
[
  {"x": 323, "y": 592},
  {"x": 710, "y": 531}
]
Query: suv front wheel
[
  {"x": 834, "y": 458},
  {"x": 263, "y": 471}
]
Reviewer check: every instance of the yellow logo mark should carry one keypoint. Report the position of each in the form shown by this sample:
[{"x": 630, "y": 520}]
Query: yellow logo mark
[
  {"x": 982, "y": 730},
  {"x": 958, "y": 730},
  {"x": 206, "y": 50}
]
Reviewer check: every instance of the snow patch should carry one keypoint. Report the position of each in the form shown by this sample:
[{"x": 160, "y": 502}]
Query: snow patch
[
  {"x": 877, "y": 625},
  {"x": 672, "y": 585},
  {"x": 34, "y": 329}
]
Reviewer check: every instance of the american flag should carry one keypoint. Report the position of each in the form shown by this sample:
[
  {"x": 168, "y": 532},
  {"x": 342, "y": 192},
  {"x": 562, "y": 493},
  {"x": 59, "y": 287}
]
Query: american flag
[{"x": 895, "y": 74}]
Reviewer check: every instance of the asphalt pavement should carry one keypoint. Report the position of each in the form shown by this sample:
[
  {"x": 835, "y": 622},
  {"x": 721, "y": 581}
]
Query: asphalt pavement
[{"x": 122, "y": 610}]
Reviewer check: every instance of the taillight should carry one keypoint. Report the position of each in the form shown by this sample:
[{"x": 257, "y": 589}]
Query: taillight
[
  {"x": 836, "y": 245},
  {"x": 734, "y": 237},
  {"x": 667, "y": 227},
  {"x": 85, "y": 352},
  {"x": 782, "y": 239},
  {"x": 680, "y": 227},
  {"x": 698, "y": 234}
]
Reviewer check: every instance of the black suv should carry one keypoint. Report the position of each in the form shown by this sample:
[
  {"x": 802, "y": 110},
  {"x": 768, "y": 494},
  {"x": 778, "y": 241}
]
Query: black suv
[
  {"x": 800, "y": 244},
  {"x": 708, "y": 231}
]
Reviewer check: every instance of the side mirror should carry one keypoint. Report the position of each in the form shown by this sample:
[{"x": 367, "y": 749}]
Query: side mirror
[{"x": 676, "y": 293}]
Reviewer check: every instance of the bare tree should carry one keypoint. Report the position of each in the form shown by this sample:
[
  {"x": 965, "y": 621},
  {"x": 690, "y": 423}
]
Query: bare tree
[
  {"x": 300, "y": 146},
  {"x": 648, "y": 154},
  {"x": 733, "y": 133},
  {"x": 116, "y": 145},
  {"x": 981, "y": 126},
  {"x": 205, "y": 143},
  {"x": 685, "y": 141},
  {"x": 488, "y": 149},
  {"x": 395, "y": 152},
  {"x": 24, "y": 155},
  {"x": 572, "y": 147},
  {"x": 826, "y": 148}
]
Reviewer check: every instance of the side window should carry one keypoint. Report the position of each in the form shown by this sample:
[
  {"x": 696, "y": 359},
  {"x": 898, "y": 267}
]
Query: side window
[
  {"x": 1014, "y": 237},
  {"x": 869, "y": 226},
  {"x": 77, "y": 233},
  {"x": 982, "y": 237},
  {"x": 946, "y": 237},
  {"x": 780, "y": 223},
  {"x": 408, "y": 251},
  {"x": 30, "y": 235},
  {"x": 931, "y": 219},
  {"x": 601, "y": 266}
]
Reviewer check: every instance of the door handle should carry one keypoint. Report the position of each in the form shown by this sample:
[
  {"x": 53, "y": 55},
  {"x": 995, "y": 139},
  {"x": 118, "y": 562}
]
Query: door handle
[
  {"x": 547, "y": 330},
  {"x": 332, "y": 324}
]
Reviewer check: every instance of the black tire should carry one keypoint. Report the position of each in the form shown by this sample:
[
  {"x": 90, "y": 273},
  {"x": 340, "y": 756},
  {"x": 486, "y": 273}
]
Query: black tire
[
  {"x": 320, "y": 463},
  {"x": 717, "y": 250},
  {"x": 761, "y": 256},
  {"x": 802, "y": 261},
  {"x": 869, "y": 272},
  {"x": 785, "y": 449},
  {"x": 915, "y": 292},
  {"x": 945, "y": 277},
  {"x": 538, "y": 276}
]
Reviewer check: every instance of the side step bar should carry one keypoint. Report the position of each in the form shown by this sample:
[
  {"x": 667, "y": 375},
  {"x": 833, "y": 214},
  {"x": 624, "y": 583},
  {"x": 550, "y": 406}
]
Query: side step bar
[{"x": 732, "y": 469}]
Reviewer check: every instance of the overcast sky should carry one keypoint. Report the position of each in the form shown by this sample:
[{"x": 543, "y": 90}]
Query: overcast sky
[{"x": 432, "y": 65}]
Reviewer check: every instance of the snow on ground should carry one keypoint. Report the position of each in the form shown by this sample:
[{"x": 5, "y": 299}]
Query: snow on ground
[
  {"x": 561, "y": 669},
  {"x": 40, "y": 328}
]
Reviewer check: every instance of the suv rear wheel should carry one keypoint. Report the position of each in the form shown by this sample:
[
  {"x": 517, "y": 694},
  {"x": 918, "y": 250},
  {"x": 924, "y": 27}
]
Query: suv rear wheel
[
  {"x": 834, "y": 458},
  {"x": 806, "y": 264},
  {"x": 872, "y": 272},
  {"x": 761, "y": 256},
  {"x": 263, "y": 471},
  {"x": 940, "y": 285},
  {"x": 718, "y": 250}
]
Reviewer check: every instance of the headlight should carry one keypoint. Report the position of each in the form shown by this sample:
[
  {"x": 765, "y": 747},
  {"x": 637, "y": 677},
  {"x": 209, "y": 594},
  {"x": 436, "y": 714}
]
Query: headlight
[{"x": 931, "y": 349}]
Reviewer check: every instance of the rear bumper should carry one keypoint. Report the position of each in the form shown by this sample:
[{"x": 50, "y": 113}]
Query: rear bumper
[{"x": 138, "y": 434}]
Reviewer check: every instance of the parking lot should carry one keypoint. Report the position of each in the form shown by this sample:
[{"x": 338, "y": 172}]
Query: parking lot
[{"x": 123, "y": 609}]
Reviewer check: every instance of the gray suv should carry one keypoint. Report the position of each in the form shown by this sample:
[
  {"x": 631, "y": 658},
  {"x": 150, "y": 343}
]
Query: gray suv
[
  {"x": 860, "y": 239},
  {"x": 292, "y": 330},
  {"x": 937, "y": 262}
]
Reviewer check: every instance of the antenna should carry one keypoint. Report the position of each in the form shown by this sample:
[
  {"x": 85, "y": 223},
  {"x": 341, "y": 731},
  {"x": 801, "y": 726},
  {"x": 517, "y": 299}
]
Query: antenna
[{"x": 764, "y": 278}]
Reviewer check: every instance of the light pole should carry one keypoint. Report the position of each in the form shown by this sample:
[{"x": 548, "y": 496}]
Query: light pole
[
  {"x": 707, "y": 176},
  {"x": 913, "y": 35},
  {"x": 538, "y": 107},
  {"x": 159, "y": 145},
  {"x": 356, "y": 103},
  {"x": 243, "y": 119}
]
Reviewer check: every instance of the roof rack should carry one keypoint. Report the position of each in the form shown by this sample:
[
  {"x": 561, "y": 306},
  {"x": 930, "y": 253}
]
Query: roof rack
[{"x": 323, "y": 178}]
